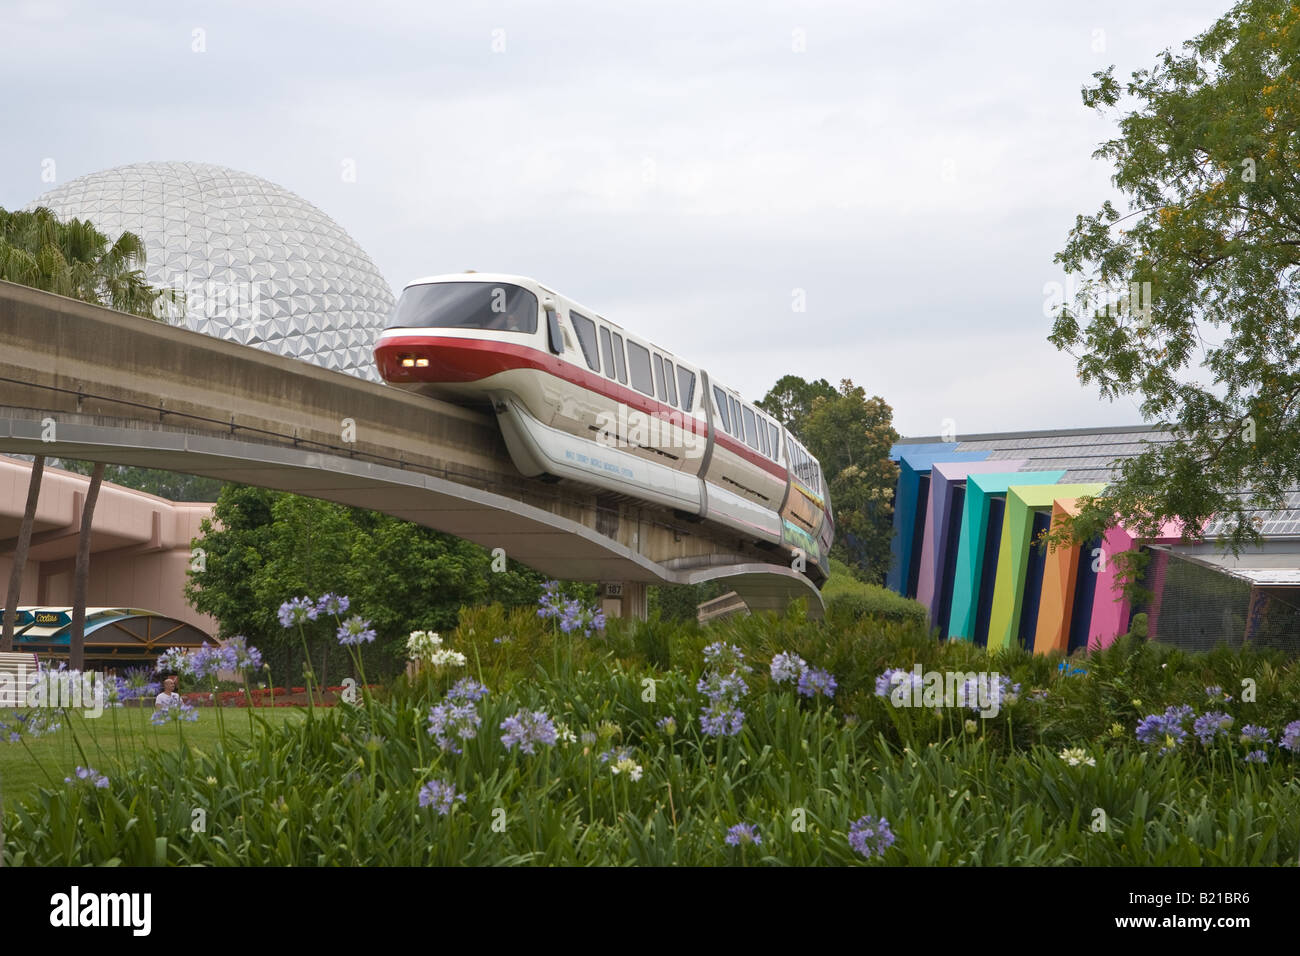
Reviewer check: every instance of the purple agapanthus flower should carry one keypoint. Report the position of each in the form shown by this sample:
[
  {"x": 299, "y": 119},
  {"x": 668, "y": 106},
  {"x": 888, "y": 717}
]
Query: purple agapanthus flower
[
  {"x": 1165, "y": 729},
  {"x": 550, "y": 602},
  {"x": 296, "y": 611},
  {"x": 174, "y": 713},
  {"x": 528, "y": 729},
  {"x": 136, "y": 684},
  {"x": 174, "y": 660},
  {"x": 335, "y": 604},
  {"x": 743, "y": 834},
  {"x": 1291, "y": 737},
  {"x": 451, "y": 721},
  {"x": 1211, "y": 725},
  {"x": 467, "y": 688},
  {"x": 787, "y": 667},
  {"x": 440, "y": 795},
  {"x": 355, "y": 631},
  {"x": 1253, "y": 734},
  {"x": 895, "y": 677},
  {"x": 1256, "y": 756},
  {"x": 814, "y": 681},
  {"x": 871, "y": 837},
  {"x": 91, "y": 776}
]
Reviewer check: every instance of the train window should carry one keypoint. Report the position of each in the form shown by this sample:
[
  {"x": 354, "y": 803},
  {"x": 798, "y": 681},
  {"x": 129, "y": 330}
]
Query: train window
[
  {"x": 686, "y": 384},
  {"x": 737, "y": 428},
  {"x": 762, "y": 437},
  {"x": 659, "y": 377},
  {"x": 776, "y": 440},
  {"x": 619, "y": 361},
  {"x": 751, "y": 434},
  {"x": 607, "y": 350},
  {"x": 586, "y": 330},
  {"x": 638, "y": 366},
  {"x": 720, "y": 402},
  {"x": 554, "y": 334},
  {"x": 493, "y": 306},
  {"x": 671, "y": 382}
]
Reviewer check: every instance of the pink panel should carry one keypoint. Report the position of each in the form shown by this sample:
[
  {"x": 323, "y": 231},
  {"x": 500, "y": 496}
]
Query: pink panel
[{"x": 1110, "y": 609}]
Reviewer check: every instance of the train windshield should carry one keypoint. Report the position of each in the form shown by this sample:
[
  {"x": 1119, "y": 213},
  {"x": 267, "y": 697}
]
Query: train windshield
[{"x": 494, "y": 306}]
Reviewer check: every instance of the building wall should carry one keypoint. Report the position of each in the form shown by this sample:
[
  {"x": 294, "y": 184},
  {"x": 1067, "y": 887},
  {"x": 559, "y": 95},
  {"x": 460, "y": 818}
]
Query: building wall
[{"x": 140, "y": 544}]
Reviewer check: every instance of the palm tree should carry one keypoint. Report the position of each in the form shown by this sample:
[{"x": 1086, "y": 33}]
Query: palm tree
[
  {"x": 75, "y": 259},
  {"x": 81, "y": 577}
]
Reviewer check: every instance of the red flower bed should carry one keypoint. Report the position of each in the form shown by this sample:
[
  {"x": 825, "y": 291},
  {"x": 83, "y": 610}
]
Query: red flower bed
[{"x": 266, "y": 697}]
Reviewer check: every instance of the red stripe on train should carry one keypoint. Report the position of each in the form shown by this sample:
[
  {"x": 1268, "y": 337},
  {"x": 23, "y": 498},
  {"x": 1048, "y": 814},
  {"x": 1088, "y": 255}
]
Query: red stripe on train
[{"x": 457, "y": 360}]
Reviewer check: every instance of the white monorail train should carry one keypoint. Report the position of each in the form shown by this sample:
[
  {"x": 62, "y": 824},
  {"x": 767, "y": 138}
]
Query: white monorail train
[{"x": 580, "y": 398}]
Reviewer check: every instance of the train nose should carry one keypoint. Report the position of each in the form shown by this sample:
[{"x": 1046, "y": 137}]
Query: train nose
[{"x": 408, "y": 359}]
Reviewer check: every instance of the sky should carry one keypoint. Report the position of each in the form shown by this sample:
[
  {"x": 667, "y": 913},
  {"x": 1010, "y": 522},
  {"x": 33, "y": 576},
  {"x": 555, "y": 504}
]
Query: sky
[{"x": 865, "y": 191}]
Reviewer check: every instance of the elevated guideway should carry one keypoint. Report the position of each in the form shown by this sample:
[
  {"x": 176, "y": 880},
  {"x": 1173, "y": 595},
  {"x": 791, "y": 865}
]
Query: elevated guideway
[{"x": 82, "y": 382}]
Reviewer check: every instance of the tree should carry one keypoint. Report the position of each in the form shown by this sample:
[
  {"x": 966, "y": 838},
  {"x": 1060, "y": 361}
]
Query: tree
[
  {"x": 14, "y": 595},
  {"x": 75, "y": 259},
  {"x": 1203, "y": 258},
  {"x": 264, "y": 547},
  {"x": 851, "y": 435},
  {"x": 791, "y": 399},
  {"x": 81, "y": 574},
  {"x": 171, "y": 485}
]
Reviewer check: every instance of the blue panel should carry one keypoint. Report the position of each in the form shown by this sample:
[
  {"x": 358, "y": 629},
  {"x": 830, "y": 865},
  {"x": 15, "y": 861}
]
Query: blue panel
[
  {"x": 989, "y": 567},
  {"x": 918, "y": 532},
  {"x": 1085, "y": 588}
]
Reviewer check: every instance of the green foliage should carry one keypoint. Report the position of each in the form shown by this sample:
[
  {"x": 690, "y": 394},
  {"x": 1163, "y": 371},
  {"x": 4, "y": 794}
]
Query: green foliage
[
  {"x": 264, "y": 547},
  {"x": 851, "y": 435},
  {"x": 75, "y": 259},
  {"x": 1206, "y": 160},
  {"x": 341, "y": 788},
  {"x": 876, "y": 602},
  {"x": 165, "y": 484},
  {"x": 791, "y": 399}
]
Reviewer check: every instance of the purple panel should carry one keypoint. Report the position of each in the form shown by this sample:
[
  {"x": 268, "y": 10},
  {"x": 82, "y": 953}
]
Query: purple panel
[{"x": 934, "y": 545}]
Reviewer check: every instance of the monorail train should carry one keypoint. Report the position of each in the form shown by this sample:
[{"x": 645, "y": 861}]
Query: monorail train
[{"x": 580, "y": 398}]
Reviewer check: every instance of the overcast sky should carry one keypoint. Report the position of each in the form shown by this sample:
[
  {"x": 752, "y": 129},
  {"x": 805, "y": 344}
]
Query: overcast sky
[{"x": 690, "y": 170}]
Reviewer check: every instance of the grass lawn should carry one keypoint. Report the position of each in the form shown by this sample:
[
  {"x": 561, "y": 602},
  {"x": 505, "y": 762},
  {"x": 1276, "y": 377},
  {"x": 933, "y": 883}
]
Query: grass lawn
[{"x": 25, "y": 768}]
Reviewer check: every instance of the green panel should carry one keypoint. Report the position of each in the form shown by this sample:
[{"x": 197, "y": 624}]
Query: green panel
[
  {"x": 970, "y": 547},
  {"x": 1013, "y": 553}
]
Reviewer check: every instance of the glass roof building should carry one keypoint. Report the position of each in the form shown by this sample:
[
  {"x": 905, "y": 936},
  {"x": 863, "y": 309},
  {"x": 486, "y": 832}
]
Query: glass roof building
[
  {"x": 968, "y": 514},
  {"x": 256, "y": 263}
]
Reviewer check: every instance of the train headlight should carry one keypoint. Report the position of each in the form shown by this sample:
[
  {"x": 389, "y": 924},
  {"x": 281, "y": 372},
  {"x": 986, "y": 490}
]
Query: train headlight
[
  {"x": 422, "y": 363},
  {"x": 408, "y": 363}
]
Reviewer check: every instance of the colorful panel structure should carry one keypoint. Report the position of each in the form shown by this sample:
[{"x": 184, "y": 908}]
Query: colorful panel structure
[
  {"x": 945, "y": 477},
  {"x": 968, "y": 513},
  {"x": 911, "y": 501},
  {"x": 970, "y": 568},
  {"x": 1013, "y": 556}
]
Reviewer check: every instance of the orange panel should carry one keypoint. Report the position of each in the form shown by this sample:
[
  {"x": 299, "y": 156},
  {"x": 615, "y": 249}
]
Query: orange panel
[{"x": 1057, "y": 600}]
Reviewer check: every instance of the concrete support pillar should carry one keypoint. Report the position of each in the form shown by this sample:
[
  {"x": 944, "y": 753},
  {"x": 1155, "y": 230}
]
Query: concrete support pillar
[{"x": 625, "y": 599}]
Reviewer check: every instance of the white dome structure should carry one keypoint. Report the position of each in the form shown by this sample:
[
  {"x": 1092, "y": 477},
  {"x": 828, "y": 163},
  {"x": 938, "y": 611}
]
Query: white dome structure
[{"x": 257, "y": 264}]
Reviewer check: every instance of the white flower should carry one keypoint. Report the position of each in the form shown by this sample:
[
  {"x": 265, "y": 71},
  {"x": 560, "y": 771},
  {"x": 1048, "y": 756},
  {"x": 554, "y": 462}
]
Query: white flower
[
  {"x": 564, "y": 735},
  {"x": 1075, "y": 756},
  {"x": 421, "y": 645},
  {"x": 629, "y": 766},
  {"x": 971, "y": 726},
  {"x": 445, "y": 657}
]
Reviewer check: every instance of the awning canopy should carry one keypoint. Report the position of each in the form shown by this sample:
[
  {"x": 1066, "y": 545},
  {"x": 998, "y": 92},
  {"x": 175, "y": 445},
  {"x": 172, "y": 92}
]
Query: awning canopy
[{"x": 113, "y": 634}]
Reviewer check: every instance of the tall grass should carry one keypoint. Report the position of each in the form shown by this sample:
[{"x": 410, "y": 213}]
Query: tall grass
[{"x": 342, "y": 789}]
